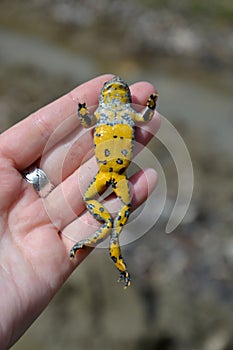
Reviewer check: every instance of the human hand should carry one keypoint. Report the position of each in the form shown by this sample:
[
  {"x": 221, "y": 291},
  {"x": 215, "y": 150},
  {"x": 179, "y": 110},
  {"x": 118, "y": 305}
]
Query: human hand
[{"x": 35, "y": 233}]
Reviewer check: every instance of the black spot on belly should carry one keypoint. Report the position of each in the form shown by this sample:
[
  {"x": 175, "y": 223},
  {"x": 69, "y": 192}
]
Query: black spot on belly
[
  {"x": 104, "y": 162},
  {"x": 119, "y": 161},
  {"x": 124, "y": 152},
  {"x": 122, "y": 170},
  {"x": 107, "y": 152}
]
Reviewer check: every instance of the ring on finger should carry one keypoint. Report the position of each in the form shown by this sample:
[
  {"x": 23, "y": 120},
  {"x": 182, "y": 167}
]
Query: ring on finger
[{"x": 40, "y": 181}]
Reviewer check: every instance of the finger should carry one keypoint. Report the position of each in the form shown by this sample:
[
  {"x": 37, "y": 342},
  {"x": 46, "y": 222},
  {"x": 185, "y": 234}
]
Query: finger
[
  {"x": 140, "y": 92},
  {"x": 142, "y": 185},
  {"x": 73, "y": 150},
  {"x": 65, "y": 202},
  {"x": 24, "y": 143},
  {"x": 144, "y": 133}
]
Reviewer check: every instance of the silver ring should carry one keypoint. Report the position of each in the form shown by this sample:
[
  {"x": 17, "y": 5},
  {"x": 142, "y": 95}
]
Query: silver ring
[{"x": 39, "y": 180}]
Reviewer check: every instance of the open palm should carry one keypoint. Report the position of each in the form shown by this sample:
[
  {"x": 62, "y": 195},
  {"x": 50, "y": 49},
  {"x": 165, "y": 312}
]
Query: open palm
[{"x": 36, "y": 234}]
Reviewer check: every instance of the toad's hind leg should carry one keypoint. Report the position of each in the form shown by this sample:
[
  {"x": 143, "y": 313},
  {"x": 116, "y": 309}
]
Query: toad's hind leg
[
  {"x": 99, "y": 212},
  {"x": 122, "y": 191}
]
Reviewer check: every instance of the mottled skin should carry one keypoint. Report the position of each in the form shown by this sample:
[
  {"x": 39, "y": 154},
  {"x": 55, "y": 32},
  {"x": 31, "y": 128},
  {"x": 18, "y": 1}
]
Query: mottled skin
[{"x": 114, "y": 121}]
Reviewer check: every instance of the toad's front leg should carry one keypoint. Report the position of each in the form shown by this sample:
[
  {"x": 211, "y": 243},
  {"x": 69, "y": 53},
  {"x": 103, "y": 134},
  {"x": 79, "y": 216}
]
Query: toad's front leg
[
  {"x": 85, "y": 118},
  {"x": 148, "y": 113}
]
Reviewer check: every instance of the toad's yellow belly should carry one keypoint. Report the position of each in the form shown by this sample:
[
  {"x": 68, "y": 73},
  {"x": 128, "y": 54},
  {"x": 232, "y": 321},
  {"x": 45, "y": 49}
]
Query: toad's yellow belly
[{"x": 113, "y": 147}]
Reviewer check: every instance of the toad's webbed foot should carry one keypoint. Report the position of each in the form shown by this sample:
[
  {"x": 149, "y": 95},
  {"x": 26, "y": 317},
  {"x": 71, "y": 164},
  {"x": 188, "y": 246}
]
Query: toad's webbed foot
[
  {"x": 151, "y": 102},
  {"x": 75, "y": 248},
  {"x": 125, "y": 277}
]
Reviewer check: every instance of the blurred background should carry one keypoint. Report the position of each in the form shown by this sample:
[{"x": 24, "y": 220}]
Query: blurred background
[{"x": 182, "y": 283}]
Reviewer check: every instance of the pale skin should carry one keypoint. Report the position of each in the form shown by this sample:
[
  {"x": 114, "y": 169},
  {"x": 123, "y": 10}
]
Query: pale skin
[{"x": 34, "y": 246}]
